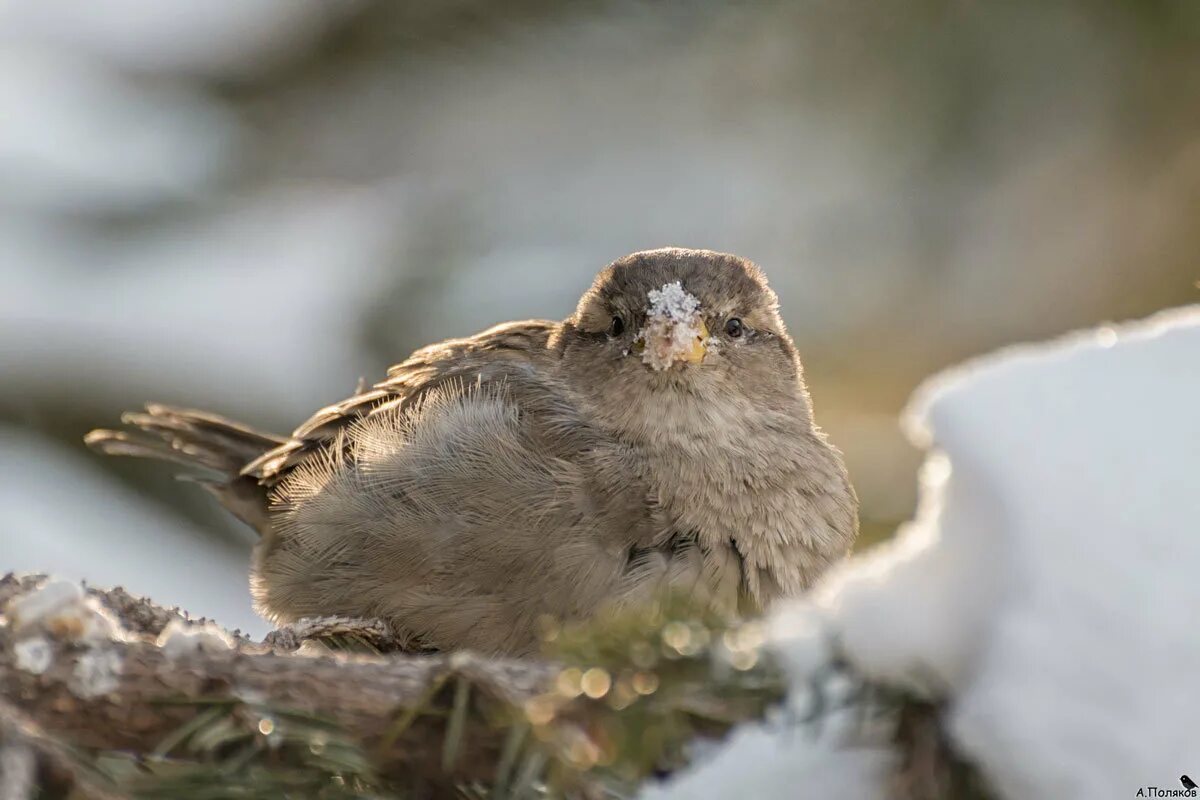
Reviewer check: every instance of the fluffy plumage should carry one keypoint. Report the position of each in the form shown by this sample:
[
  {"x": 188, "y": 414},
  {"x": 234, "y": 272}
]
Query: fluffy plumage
[{"x": 542, "y": 468}]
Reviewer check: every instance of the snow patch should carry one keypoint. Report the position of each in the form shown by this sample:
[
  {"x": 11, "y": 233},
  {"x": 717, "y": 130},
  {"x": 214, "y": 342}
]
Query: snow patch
[
  {"x": 96, "y": 672},
  {"x": 34, "y": 655},
  {"x": 672, "y": 302},
  {"x": 760, "y": 761},
  {"x": 181, "y": 639},
  {"x": 49, "y": 598},
  {"x": 674, "y": 329},
  {"x": 62, "y": 609}
]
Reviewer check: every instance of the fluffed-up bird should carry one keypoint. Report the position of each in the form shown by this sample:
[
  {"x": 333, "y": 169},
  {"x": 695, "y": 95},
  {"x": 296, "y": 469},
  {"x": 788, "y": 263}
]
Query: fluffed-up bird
[{"x": 660, "y": 437}]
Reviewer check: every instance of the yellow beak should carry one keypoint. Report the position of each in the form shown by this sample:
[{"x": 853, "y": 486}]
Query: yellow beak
[{"x": 699, "y": 345}]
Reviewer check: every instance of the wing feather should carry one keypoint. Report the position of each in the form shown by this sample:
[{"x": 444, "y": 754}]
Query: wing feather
[{"x": 423, "y": 371}]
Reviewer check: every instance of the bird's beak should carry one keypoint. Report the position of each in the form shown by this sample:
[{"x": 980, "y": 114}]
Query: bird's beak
[
  {"x": 695, "y": 353},
  {"x": 663, "y": 343}
]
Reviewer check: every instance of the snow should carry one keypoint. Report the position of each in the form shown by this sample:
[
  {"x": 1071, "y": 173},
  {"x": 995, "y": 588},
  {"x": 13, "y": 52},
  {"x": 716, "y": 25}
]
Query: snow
[
  {"x": 61, "y": 608},
  {"x": 801, "y": 638},
  {"x": 761, "y": 762},
  {"x": 181, "y": 639},
  {"x": 1049, "y": 586},
  {"x": 96, "y": 672},
  {"x": 673, "y": 327},
  {"x": 897, "y": 640},
  {"x": 34, "y": 654},
  {"x": 50, "y": 598},
  {"x": 783, "y": 756},
  {"x": 672, "y": 302},
  {"x": 1046, "y": 589}
]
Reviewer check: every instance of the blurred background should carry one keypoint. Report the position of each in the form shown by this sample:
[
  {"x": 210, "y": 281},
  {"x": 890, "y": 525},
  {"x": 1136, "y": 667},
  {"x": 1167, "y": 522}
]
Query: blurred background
[{"x": 246, "y": 205}]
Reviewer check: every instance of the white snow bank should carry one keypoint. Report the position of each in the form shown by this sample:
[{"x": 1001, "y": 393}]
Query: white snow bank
[
  {"x": 1047, "y": 589},
  {"x": 1052, "y": 585}
]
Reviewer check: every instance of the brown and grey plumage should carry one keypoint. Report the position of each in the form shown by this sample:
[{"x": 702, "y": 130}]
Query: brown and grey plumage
[{"x": 661, "y": 436}]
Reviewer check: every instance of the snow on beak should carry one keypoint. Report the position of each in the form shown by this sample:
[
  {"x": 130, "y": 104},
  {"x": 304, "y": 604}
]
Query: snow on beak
[{"x": 674, "y": 332}]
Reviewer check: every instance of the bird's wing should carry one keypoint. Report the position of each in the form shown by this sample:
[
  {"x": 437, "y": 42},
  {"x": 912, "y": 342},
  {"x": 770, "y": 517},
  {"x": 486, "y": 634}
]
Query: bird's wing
[
  {"x": 462, "y": 515},
  {"x": 425, "y": 370}
]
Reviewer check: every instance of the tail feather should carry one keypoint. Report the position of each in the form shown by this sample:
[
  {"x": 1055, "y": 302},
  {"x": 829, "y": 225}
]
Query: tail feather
[
  {"x": 127, "y": 443},
  {"x": 213, "y": 424},
  {"x": 184, "y": 436},
  {"x": 200, "y": 440}
]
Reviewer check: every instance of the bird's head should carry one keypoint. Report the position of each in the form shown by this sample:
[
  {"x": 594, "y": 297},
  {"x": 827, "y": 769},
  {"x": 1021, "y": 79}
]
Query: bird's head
[{"x": 664, "y": 322}]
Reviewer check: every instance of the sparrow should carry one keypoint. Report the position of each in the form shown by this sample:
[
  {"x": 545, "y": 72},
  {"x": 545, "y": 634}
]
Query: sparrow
[{"x": 660, "y": 438}]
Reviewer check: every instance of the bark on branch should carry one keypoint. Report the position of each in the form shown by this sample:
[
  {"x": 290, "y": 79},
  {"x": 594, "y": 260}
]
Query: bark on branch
[{"x": 365, "y": 695}]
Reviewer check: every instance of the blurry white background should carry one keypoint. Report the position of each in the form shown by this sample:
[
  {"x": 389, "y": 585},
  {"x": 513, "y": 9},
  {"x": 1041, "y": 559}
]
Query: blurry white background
[{"x": 245, "y": 206}]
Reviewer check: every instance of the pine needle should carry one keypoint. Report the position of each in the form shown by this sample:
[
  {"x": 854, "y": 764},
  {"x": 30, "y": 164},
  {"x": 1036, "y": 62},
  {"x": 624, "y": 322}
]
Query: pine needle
[
  {"x": 457, "y": 724},
  {"x": 411, "y": 713},
  {"x": 508, "y": 758}
]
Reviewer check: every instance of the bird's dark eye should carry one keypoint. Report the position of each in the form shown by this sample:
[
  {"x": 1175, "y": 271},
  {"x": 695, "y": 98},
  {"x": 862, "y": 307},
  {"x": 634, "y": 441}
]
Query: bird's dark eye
[
  {"x": 733, "y": 327},
  {"x": 616, "y": 327}
]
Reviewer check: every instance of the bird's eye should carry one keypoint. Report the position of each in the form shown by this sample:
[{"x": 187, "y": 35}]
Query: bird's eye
[
  {"x": 616, "y": 327},
  {"x": 734, "y": 327}
]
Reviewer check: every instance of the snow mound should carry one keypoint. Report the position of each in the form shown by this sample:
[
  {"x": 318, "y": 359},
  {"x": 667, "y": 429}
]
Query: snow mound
[{"x": 1049, "y": 584}]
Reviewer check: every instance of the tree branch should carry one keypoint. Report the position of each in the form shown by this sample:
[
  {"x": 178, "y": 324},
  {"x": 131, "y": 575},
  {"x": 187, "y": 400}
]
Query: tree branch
[{"x": 150, "y": 695}]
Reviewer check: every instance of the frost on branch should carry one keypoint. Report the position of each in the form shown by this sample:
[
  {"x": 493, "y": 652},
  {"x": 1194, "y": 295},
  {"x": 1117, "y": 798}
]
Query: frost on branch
[
  {"x": 96, "y": 672},
  {"x": 34, "y": 654},
  {"x": 180, "y": 639},
  {"x": 61, "y": 609},
  {"x": 204, "y": 696}
]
